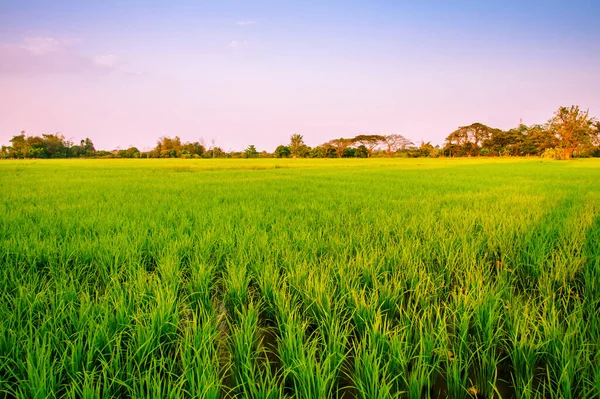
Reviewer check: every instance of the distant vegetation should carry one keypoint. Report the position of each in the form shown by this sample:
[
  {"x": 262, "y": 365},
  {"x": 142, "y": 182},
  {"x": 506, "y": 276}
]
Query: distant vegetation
[{"x": 571, "y": 132}]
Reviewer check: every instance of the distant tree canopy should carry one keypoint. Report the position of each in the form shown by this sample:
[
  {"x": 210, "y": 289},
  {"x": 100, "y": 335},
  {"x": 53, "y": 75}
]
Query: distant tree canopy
[
  {"x": 46, "y": 146},
  {"x": 167, "y": 147},
  {"x": 282, "y": 151},
  {"x": 571, "y": 132},
  {"x": 296, "y": 146},
  {"x": 251, "y": 152},
  {"x": 574, "y": 129},
  {"x": 467, "y": 139},
  {"x": 369, "y": 142}
]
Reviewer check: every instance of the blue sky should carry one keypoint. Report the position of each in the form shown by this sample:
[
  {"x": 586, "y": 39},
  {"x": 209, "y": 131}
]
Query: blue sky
[{"x": 125, "y": 73}]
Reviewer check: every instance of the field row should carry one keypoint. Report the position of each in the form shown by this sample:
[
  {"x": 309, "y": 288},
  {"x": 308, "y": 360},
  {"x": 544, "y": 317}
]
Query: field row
[{"x": 324, "y": 280}]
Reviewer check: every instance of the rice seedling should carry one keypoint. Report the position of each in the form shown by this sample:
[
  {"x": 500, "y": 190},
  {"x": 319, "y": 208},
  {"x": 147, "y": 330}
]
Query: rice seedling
[
  {"x": 201, "y": 375},
  {"x": 320, "y": 278}
]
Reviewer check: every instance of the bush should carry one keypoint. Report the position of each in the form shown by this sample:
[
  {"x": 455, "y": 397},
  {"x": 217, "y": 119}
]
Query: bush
[{"x": 554, "y": 153}]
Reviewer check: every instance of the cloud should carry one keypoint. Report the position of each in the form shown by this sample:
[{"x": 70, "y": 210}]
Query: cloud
[
  {"x": 106, "y": 61},
  {"x": 237, "y": 43},
  {"x": 245, "y": 22},
  {"x": 35, "y": 55},
  {"x": 43, "y": 45},
  {"x": 135, "y": 73}
]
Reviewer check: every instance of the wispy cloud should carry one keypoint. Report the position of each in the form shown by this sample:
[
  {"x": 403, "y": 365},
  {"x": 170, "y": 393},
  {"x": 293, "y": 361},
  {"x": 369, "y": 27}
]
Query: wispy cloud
[
  {"x": 106, "y": 61},
  {"x": 237, "y": 43},
  {"x": 246, "y": 22},
  {"x": 51, "y": 55},
  {"x": 43, "y": 45},
  {"x": 134, "y": 74}
]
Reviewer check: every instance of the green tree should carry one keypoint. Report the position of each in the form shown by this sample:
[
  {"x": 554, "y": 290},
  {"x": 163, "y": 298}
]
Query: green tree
[
  {"x": 349, "y": 152},
  {"x": 317, "y": 152},
  {"x": 296, "y": 144},
  {"x": 194, "y": 149},
  {"x": 595, "y": 134},
  {"x": 132, "y": 152},
  {"x": 537, "y": 139},
  {"x": 282, "y": 151},
  {"x": 88, "y": 147},
  {"x": 55, "y": 145},
  {"x": 167, "y": 147},
  {"x": 20, "y": 147},
  {"x": 394, "y": 142},
  {"x": 215, "y": 152},
  {"x": 361, "y": 152},
  {"x": 339, "y": 145},
  {"x": 251, "y": 152},
  {"x": 469, "y": 138},
  {"x": 369, "y": 141},
  {"x": 426, "y": 149},
  {"x": 502, "y": 142},
  {"x": 573, "y": 128}
]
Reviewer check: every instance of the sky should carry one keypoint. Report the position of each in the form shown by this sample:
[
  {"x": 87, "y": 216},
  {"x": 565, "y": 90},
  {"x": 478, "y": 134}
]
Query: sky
[{"x": 125, "y": 73}]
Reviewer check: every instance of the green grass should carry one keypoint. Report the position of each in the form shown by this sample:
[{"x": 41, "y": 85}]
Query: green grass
[{"x": 377, "y": 278}]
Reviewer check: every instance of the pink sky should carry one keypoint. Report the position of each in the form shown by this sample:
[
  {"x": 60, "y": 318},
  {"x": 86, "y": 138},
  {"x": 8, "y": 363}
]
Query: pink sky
[{"x": 256, "y": 79}]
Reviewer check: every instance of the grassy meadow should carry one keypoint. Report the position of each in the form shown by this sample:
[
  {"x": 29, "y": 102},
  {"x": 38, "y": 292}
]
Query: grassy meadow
[{"x": 411, "y": 278}]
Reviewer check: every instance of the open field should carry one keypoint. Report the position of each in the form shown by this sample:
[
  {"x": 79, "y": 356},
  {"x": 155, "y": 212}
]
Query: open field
[{"x": 310, "y": 278}]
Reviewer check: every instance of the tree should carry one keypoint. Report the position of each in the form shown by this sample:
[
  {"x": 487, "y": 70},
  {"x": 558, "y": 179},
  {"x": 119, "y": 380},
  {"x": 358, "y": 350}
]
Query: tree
[
  {"x": 214, "y": 152},
  {"x": 573, "y": 128},
  {"x": 317, "y": 152},
  {"x": 282, "y": 151},
  {"x": 251, "y": 152},
  {"x": 468, "y": 138},
  {"x": 55, "y": 145},
  {"x": 537, "y": 139},
  {"x": 349, "y": 152},
  {"x": 370, "y": 141},
  {"x": 339, "y": 145},
  {"x": 20, "y": 147},
  {"x": 296, "y": 144},
  {"x": 132, "y": 152},
  {"x": 426, "y": 149},
  {"x": 456, "y": 142},
  {"x": 167, "y": 147},
  {"x": 596, "y": 134},
  {"x": 394, "y": 142},
  {"x": 194, "y": 148},
  {"x": 361, "y": 152},
  {"x": 88, "y": 147},
  {"x": 502, "y": 142}
]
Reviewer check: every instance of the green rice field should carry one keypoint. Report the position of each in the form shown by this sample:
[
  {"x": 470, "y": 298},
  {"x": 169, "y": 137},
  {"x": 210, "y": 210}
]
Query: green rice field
[{"x": 328, "y": 278}]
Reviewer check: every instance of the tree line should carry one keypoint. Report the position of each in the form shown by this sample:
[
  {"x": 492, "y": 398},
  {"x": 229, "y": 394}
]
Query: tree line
[{"x": 570, "y": 132}]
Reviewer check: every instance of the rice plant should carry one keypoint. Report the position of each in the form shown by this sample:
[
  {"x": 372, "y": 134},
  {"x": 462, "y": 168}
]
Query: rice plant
[{"x": 317, "y": 278}]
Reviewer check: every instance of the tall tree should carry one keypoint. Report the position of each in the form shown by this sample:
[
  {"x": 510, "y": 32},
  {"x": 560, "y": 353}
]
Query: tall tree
[
  {"x": 470, "y": 137},
  {"x": 167, "y": 147},
  {"x": 426, "y": 149},
  {"x": 394, "y": 142},
  {"x": 20, "y": 146},
  {"x": 194, "y": 148},
  {"x": 296, "y": 144},
  {"x": 537, "y": 139},
  {"x": 251, "y": 152},
  {"x": 339, "y": 145},
  {"x": 282, "y": 151},
  {"x": 573, "y": 128},
  {"x": 370, "y": 141},
  {"x": 596, "y": 134},
  {"x": 55, "y": 145},
  {"x": 502, "y": 142},
  {"x": 88, "y": 147}
]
